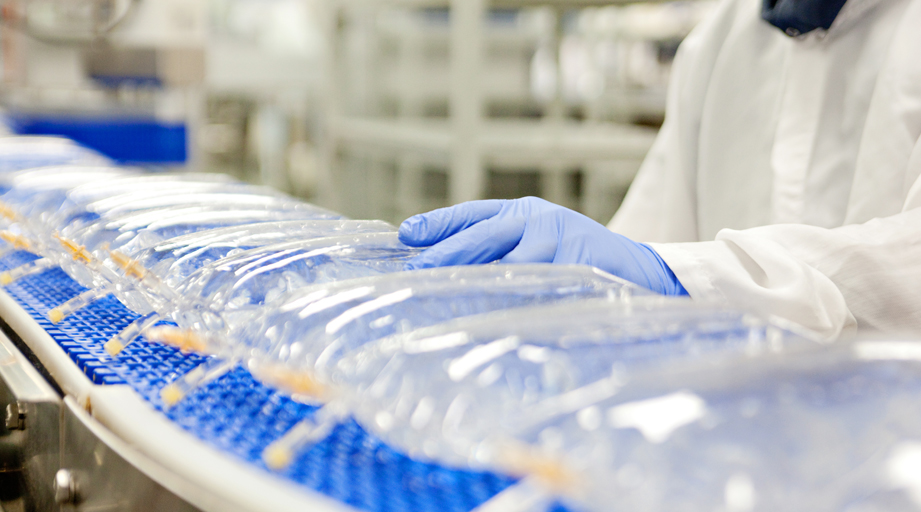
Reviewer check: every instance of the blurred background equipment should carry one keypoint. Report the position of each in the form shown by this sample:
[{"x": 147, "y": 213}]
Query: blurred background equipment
[
  {"x": 463, "y": 100},
  {"x": 379, "y": 109},
  {"x": 210, "y": 85},
  {"x": 117, "y": 75}
]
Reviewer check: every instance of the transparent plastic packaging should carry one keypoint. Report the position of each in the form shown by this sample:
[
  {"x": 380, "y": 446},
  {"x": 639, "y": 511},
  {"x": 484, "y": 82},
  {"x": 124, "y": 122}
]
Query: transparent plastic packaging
[
  {"x": 105, "y": 211},
  {"x": 81, "y": 251},
  {"x": 149, "y": 182},
  {"x": 75, "y": 209},
  {"x": 97, "y": 209},
  {"x": 13, "y": 239},
  {"x": 439, "y": 392},
  {"x": 313, "y": 328},
  {"x": 108, "y": 270},
  {"x": 35, "y": 192},
  {"x": 148, "y": 263},
  {"x": 166, "y": 223},
  {"x": 158, "y": 252},
  {"x": 32, "y": 206},
  {"x": 830, "y": 429},
  {"x": 67, "y": 177},
  {"x": 176, "y": 193},
  {"x": 308, "y": 331},
  {"x": 233, "y": 289},
  {"x": 19, "y": 152},
  {"x": 87, "y": 197},
  {"x": 237, "y": 288},
  {"x": 213, "y": 195},
  {"x": 219, "y": 198},
  {"x": 175, "y": 221}
]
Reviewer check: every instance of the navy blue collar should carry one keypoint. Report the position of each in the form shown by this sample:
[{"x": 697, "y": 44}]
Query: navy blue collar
[{"x": 797, "y": 17}]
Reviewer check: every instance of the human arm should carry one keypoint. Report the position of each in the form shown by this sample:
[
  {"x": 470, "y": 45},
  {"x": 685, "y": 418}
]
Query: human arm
[
  {"x": 531, "y": 230},
  {"x": 830, "y": 280}
]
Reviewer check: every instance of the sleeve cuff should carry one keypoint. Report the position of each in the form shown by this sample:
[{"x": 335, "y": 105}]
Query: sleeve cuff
[{"x": 686, "y": 261}]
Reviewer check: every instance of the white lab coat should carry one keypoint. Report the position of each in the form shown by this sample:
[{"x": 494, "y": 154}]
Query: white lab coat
[{"x": 786, "y": 176}]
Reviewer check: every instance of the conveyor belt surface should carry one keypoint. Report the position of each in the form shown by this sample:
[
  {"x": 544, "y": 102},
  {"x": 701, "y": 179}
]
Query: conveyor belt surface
[{"x": 238, "y": 415}]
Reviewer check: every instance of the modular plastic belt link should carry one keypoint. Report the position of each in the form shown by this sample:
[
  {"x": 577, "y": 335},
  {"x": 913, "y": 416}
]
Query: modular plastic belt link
[{"x": 240, "y": 416}]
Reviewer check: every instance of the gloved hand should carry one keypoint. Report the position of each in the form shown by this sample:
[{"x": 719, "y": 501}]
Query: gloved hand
[{"x": 531, "y": 230}]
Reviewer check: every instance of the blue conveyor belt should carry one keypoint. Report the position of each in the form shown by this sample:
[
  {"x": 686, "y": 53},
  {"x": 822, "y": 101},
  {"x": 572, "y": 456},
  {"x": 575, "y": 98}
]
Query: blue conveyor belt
[{"x": 238, "y": 415}]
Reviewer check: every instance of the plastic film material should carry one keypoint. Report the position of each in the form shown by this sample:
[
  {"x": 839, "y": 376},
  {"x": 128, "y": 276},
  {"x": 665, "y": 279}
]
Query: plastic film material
[
  {"x": 241, "y": 200},
  {"x": 122, "y": 197},
  {"x": 75, "y": 209},
  {"x": 153, "y": 267},
  {"x": 66, "y": 177},
  {"x": 304, "y": 336},
  {"x": 173, "y": 193},
  {"x": 148, "y": 183},
  {"x": 259, "y": 275},
  {"x": 99, "y": 239},
  {"x": 6, "y": 249},
  {"x": 118, "y": 228},
  {"x": 78, "y": 261},
  {"x": 179, "y": 256},
  {"x": 440, "y": 392},
  {"x": 232, "y": 289},
  {"x": 38, "y": 196},
  {"x": 216, "y": 200},
  {"x": 17, "y": 153},
  {"x": 139, "y": 212},
  {"x": 313, "y": 328},
  {"x": 828, "y": 429},
  {"x": 36, "y": 193},
  {"x": 162, "y": 224}
]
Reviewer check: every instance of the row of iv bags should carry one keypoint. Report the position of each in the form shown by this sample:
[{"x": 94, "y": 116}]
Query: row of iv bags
[
  {"x": 832, "y": 429},
  {"x": 18, "y": 153},
  {"x": 439, "y": 389},
  {"x": 591, "y": 389}
]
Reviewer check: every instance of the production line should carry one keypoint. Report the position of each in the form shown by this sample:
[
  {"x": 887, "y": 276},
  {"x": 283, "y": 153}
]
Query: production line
[{"x": 187, "y": 341}]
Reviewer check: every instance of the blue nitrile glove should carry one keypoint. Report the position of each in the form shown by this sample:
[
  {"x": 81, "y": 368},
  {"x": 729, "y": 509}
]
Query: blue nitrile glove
[{"x": 531, "y": 230}]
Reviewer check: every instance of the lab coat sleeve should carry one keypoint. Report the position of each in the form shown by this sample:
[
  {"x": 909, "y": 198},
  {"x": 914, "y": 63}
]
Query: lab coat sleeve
[
  {"x": 865, "y": 274},
  {"x": 829, "y": 280},
  {"x": 661, "y": 204}
]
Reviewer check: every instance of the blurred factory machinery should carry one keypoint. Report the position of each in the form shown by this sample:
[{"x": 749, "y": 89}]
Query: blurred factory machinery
[
  {"x": 378, "y": 108},
  {"x": 218, "y": 85}
]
